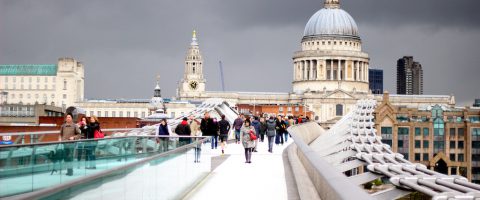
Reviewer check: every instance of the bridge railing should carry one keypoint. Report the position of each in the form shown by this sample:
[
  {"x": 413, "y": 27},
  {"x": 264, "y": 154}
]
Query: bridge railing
[{"x": 328, "y": 181}]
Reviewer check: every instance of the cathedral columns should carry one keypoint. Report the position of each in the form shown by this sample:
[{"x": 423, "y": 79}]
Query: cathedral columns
[
  {"x": 357, "y": 70},
  {"x": 324, "y": 70},
  {"x": 339, "y": 69},
  {"x": 318, "y": 75},
  {"x": 331, "y": 69}
]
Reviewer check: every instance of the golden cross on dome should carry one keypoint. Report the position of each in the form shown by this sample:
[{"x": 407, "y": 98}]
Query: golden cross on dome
[{"x": 194, "y": 33}]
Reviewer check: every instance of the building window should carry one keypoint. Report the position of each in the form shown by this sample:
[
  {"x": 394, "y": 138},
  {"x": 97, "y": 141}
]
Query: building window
[
  {"x": 402, "y": 131},
  {"x": 417, "y": 157},
  {"x": 280, "y": 109},
  {"x": 120, "y": 114},
  {"x": 339, "y": 109},
  {"x": 106, "y": 114},
  {"x": 91, "y": 113},
  {"x": 460, "y": 132},
  {"x": 475, "y": 131},
  {"x": 389, "y": 142},
  {"x": 400, "y": 143},
  {"x": 452, "y": 132},
  {"x": 476, "y": 144},
  {"x": 452, "y": 157},
  {"x": 143, "y": 114},
  {"x": 438, "y": 127},
  {"x": 289, "y": 109},
  {"x": 425, "y": 157},
  {"x": 128, "y": 113},
  {"x": 135, "y": 114},
  {"x": 425, "y": 132},
  {"x": 460, "y": 157},
  {"x": 460, "y": 144},
  {"x": 114, "y": 114},
  {"x": 386, "y": 130},
  {"x": 418, "y": 131},
  {"x": 425, "y": 144},
  {"x": 452, "y": 144},
  {"x": 297, "y": 109},
  {"x": 418, "y": 144},
  {"x": 439, "y": 145},
  {"x": 99, "y": 114},
  {"x": 64, "y": 96},
  {"x": 64, "y": 84}
]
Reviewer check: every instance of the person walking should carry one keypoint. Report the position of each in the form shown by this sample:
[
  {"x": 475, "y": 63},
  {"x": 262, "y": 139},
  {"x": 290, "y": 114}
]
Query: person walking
[
  {"x": 207, "y": 126},
  {"x": 195, "y": 132},
  {"x": 247, "y": 142},
  {"x": 271, "y": 130},
  {"x": 280, "y": 127},
  {"x": 93, "y": 125},
  {"x": 69, "y": 131},
  {"x": 183, "y": 129},
  {"x": 215, "y": 136},
  {"x": 224, "y": 127},
  {"x": 263, "y": 128},
  {"x": 237, "y": 125},
  {"x": 81, "y": 149},
  {"x": 256, "y": 125},
  {"x": 163, "y": 132}
]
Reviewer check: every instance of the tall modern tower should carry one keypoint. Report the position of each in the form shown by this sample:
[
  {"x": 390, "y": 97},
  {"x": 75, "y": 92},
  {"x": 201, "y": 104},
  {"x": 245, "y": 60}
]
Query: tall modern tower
[
  {"x": 375, "y": 79},
  {"x": 409, "y": 76}
]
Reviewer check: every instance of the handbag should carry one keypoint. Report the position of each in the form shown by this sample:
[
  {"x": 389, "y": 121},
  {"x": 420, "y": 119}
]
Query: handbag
[
  {"x": 98, "y": 134},
  {"x": 252, "y": 136}
]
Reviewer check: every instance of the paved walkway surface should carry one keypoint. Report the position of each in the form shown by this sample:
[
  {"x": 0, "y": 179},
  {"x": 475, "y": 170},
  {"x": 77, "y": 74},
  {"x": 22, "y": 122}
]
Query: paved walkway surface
[{"x": 264, "y": 178}]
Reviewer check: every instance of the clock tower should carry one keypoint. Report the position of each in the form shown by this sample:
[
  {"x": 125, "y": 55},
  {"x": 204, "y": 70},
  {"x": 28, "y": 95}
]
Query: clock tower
[{"x": 192, "y": 85}]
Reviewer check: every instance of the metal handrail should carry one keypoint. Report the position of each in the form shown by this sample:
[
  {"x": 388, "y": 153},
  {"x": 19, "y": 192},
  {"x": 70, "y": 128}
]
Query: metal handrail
[
  {"x": 58, "y": 131},
  {"x": 50, "y": 190},
  {"x": 98, "y": 139}
]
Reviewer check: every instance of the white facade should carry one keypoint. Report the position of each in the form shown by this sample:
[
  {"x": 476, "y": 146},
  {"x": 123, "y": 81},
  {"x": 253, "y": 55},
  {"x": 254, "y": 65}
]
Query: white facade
[{"x": 60, "y": 85}]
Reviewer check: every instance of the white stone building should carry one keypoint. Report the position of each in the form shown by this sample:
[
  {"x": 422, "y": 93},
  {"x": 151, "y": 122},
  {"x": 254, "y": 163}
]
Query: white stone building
[
  {"x": 59, "y": 84},
  {"x": 330, "y": 72}
]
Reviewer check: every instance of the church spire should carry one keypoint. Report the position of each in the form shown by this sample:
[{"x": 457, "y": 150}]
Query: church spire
[
  {"x": 194, "y": 38},
  {"x": 332, "y": 4},
  {"x": 157, "y": 91}
]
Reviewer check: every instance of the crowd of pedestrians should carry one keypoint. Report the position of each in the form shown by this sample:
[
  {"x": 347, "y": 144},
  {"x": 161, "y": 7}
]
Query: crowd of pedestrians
[{"x": 249, "y": 131}]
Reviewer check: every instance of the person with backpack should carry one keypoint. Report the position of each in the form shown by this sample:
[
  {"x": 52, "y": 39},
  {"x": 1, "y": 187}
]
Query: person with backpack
[
  {"x": 224, "y": 127},
  {"x": 237, "y": 124},
  {"x": 247, "y": 141},
  {"x": 183, "y": 129},
  {"x": 271, "y": 125},
  {"x": 256, "y": 125}
]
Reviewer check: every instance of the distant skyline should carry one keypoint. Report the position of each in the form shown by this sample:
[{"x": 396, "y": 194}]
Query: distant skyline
[{"x": 126, "y": 44}]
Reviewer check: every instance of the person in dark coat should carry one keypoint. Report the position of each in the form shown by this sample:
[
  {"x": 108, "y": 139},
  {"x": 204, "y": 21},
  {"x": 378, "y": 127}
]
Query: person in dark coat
[
  {"x": 91, "y": 145},
  {"x": 263, "y": 129},
  {"x": 281, "y": 128},
  {"x": 164, "y": 132},
  {"x": 208, "y": 127},
  {"x": 224, "y": 127},
  {"x": 83, "y": 125},
  {"x": 237, "y": 124},
  {"x": 183, "y": 129},
  {"x": 271, "y": 130}
]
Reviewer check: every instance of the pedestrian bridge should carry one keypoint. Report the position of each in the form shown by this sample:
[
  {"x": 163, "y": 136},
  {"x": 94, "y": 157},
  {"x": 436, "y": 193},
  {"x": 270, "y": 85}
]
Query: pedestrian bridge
[{"x": 316, "y": 164}]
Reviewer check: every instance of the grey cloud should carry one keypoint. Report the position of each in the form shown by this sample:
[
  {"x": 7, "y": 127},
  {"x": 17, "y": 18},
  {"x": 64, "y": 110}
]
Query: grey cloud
[{"x": 124, "y": 44}]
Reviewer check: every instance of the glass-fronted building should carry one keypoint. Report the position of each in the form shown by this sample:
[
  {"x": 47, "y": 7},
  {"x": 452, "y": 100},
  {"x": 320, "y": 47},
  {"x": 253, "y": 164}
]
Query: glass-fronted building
[{"x": 375, "y": 80}]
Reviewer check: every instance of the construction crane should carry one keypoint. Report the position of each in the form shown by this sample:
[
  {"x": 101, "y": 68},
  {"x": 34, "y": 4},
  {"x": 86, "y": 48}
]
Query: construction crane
[{"x": 221, "y": 75}]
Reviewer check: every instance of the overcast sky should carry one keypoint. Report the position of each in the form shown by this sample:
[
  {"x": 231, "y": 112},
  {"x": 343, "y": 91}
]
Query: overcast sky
[{"x": 124, "y": 44}]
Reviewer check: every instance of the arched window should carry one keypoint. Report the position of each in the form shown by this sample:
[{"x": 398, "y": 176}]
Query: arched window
[
  {"x": 193, "y": 69},
  {"x": 64, "y": 84},
  {"x": 339, "y": 109}
]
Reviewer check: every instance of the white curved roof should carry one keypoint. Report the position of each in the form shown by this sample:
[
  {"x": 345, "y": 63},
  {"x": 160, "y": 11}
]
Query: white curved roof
[{"x": 331, "y": 22}]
